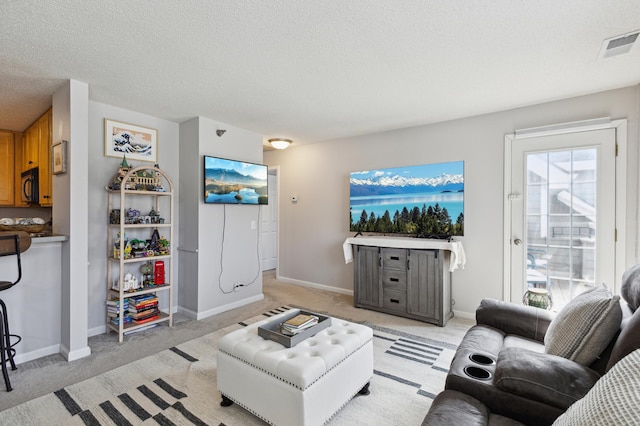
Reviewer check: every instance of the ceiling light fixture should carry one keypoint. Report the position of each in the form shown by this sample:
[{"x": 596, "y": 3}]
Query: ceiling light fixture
[{"x": 280, "y": 143}]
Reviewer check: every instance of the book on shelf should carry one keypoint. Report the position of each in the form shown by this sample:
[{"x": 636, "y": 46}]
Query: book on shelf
[
  {"x": 144, "y": 314},
  {"x": 148, "y": 319},
  {"x": 141, "y": 297},
  {"x": 114, "y": 303},
  {"x": 145, "y": 308},
  {"x": 143, "y": 301},
  {"x": 127, "y": 319},
  {"x": 298, "y": 324},
  {"x": 143, "y": 305}
]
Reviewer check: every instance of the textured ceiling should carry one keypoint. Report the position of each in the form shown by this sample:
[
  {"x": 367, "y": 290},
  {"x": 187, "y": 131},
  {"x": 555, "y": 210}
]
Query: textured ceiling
[{"x": 311, "y": 70}]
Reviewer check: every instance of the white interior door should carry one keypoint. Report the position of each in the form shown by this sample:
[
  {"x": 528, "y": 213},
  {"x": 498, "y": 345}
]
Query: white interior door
[
  {"x": 563, "y": 214},
  {"x": 269, "y": 226}
]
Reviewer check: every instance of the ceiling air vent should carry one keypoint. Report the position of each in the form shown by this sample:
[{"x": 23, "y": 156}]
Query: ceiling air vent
[{"x": 618, "y": 45}]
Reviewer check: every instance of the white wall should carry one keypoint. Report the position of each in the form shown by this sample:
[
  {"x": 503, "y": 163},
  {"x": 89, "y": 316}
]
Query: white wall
[
  {"x": 226, "y": 245},
  {"x": 313, "y": 229},
  {"x": 101, "y": 170},
  {"x": 70, "y": 123}
]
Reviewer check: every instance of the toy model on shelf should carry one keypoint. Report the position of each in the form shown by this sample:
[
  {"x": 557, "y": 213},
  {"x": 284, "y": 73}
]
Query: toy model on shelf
[{"x": 139, "y": 257}]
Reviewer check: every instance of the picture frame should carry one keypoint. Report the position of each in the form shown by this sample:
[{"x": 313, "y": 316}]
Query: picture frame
[
  {"x": 135, "y": 142},
  {"x": 59, "y": 158}
]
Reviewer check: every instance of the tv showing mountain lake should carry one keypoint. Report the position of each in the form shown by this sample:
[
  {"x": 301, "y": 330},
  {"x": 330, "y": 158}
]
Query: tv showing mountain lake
[
  {"x": 234, "y": 182},
  {"x": 425, "y": 200}
]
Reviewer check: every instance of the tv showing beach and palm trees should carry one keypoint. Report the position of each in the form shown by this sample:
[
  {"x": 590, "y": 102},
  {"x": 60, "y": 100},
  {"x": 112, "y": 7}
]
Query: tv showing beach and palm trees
[{"x": 425, "y": 200}]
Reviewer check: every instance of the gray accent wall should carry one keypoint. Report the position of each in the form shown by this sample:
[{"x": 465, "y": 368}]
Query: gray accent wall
[
  {"x": 218, "y": 247},
  {"x": 312, "y": 230}
]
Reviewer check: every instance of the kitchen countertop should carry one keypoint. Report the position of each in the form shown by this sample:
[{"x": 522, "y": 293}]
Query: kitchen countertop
[{"x": 49, "y": 239}]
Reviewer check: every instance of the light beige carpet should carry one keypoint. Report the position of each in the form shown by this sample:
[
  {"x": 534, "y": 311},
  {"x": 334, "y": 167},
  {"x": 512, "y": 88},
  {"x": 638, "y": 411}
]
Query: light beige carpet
[{"x": 177, "y": 386}]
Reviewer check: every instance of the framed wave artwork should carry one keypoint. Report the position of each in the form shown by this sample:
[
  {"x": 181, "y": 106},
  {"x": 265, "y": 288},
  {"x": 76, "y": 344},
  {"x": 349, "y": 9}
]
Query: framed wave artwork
[{"x": 136, "y": 142}]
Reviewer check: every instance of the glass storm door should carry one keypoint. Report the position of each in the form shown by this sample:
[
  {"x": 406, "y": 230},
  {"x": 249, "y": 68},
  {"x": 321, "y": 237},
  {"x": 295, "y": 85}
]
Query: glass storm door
[{"x": 563, "y": 224}]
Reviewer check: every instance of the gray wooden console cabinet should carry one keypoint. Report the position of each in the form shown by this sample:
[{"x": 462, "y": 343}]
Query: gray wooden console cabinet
[{"x": 413, "y": 283}]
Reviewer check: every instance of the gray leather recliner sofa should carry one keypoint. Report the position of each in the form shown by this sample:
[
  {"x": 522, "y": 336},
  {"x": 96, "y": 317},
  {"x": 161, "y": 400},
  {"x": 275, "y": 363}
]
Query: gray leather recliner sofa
[{"x": 502, "y": 375}]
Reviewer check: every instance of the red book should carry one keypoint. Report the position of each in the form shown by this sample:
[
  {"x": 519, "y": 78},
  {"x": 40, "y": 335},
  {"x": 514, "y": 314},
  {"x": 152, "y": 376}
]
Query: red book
[{"x": 142, "y": 321}]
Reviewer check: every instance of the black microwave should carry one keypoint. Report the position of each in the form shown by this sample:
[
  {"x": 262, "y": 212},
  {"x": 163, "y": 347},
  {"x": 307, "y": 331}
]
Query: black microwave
[{"x": 29, "y": 186}]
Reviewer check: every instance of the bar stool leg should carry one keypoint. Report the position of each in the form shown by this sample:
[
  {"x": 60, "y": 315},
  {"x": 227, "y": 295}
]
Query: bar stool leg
[
  {"x": 3, "y": 350},
  {"x": 7, "y": 336}
]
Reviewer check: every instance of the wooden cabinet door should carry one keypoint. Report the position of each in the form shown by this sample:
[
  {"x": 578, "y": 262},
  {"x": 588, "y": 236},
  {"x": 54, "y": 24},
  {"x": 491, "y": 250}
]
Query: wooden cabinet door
[
  {"x": 424, "y": 286},
  {"x": 366, "y": 276},
  {"x": 44, "y": 160},
  {"x": 19, "y": 140},
  {"x": 7, "y": 171},
  {"x": 30, "y": 148}
]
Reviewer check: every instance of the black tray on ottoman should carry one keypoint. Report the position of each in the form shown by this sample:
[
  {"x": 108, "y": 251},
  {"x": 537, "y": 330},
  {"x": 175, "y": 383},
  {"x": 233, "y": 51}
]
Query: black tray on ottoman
[{"x": 271, "y": 330}]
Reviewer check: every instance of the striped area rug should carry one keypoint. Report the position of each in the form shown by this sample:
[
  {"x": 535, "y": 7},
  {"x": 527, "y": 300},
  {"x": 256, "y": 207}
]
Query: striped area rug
[{"x": 178, "y": 387}]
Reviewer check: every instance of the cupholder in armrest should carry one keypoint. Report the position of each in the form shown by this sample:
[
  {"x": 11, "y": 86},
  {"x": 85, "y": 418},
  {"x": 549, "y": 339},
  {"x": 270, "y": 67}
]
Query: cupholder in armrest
[
  {"x": 477, "y": 373},
  {"x": 481, "y": 359}
]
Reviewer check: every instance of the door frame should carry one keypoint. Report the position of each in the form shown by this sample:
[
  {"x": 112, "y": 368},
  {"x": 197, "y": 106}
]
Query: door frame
[
  {"x": 275, "y": 171},
  {"x": 620, "y": 127}
]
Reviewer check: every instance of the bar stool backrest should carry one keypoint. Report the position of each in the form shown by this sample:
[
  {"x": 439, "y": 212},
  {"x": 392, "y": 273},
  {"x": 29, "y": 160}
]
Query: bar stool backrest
[{"x": 12, "y": 244}]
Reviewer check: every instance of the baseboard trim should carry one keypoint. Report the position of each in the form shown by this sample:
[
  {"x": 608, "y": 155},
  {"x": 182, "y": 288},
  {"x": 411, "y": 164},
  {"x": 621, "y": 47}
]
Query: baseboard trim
[
  {"x": 42, "y": 352},
  {"x": 314, "y": 285},
  {"x": 224, "y": 308},
  {"x": 74, "y": 355},
  {"x": 95, "y": 331},
  {"x": 459, "y": 314},
  {"x": 188, "y": 312},
  {"x": 465, "y": 315}
]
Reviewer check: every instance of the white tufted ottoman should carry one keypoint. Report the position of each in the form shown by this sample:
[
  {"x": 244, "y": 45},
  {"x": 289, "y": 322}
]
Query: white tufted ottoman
[{"x": 303, "y": 385}]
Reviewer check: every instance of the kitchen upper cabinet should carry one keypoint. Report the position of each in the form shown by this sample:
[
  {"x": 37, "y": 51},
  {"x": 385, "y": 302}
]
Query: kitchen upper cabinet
[
  {"x": 18, "y": 139},
  {"x": 44, "y": 159},
  {"x": 30, "y": 147},
  {"x": 7, "y": 169}
]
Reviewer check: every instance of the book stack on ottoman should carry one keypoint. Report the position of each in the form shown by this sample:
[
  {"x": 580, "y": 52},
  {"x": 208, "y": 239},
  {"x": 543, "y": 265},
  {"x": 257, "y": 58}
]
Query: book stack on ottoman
[{"x": 306, "y": 384}]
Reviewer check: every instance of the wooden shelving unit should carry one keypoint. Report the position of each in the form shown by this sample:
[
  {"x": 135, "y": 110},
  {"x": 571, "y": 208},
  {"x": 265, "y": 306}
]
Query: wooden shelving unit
[{"x": 118, "y": 265}]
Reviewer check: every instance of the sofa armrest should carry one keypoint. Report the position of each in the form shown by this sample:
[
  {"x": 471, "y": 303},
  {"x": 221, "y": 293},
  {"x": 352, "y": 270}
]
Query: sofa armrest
[
  {"x": 513, "y": 318},
  {"x": 456, "y": 408},
  {"x": 550, "y": 379}
]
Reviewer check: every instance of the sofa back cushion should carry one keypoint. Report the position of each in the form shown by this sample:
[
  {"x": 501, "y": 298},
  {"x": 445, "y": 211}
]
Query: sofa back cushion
[
  {"x": 584, "y": 327},
  {"x": 613, "y": 400},
  {"x": 630, "y": 288},
  {"x": 628, "y": 340}
]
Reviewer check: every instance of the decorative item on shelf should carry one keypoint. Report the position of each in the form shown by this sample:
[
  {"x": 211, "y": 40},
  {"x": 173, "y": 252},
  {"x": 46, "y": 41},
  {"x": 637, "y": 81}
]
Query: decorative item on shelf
[
  {"x": 132, "y": 216},
  {"x": 141, "y": 180},
  {"x": 155, "y": 242},
  {"x": 116, "y": 245},
  {"x": 157, "y": 181},
  {"x": 138, "y": 248},
  {"x": 155, "y": 216},
  {"x": 130, "y": 282},
  {"x": 164, "y": 248},
  {"x": 159, "y": 272},
  {"x": 114, "y": 217},
  {"x": 116, "y": 181},
  {"x": 147, "y": 274},
  {"x": 538, "y": 297}
]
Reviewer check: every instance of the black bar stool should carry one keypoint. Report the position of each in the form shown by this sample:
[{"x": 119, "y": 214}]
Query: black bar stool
[{"x": 11, "y": 244}]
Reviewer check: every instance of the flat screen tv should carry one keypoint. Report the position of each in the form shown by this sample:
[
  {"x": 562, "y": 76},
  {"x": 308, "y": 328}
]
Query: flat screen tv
[
  {"x": 234, "y": 182},
  {"x": 425, "y": 200}
]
